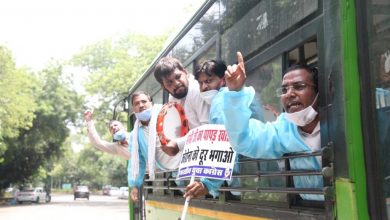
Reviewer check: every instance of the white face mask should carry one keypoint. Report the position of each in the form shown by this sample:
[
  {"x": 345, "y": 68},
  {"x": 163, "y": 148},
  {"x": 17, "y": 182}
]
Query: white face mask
[
  {"x": 145, "y": 115},
  {"x": 303, "y": 117},
  {"x": 208, "y": 95}
]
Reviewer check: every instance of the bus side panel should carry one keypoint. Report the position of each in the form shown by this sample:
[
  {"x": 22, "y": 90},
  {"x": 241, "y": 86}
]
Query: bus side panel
[
  {"x": 161, "y": 211},
  {"x": 346, "y": 199}
]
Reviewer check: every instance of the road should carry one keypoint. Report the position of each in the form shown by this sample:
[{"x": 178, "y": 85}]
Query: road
[{"x": 63, "y": 207}]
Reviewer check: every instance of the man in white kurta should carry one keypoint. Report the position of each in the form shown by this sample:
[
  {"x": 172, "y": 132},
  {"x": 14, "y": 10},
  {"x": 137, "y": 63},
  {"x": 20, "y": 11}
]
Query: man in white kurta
[{"x": 184, "y": 89}]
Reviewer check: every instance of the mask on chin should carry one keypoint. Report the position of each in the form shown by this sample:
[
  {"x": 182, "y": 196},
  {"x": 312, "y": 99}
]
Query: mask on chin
[
  {"x": 303, "y": 117},
  {"x": 145, "y": 115},
  {"x": 208, "y": 95},
  {"x": 119, "y": 136}
]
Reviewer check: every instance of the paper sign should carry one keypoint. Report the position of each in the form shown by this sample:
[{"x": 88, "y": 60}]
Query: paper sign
[{"x": 207, "y": 153}]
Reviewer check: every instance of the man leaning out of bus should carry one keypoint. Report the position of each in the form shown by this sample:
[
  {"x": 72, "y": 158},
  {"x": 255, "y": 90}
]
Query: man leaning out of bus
[
  {"x": 144, "y": 144},
  {"x": 297, "y": 130},
  {"x": 120, "y": 137},
  {"x": 211, "y": 78},
  {"x": 184, "y": 89}
]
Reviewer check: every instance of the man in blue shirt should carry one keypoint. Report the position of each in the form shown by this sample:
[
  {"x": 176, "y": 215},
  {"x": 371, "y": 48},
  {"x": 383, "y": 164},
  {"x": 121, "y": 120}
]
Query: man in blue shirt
[
  {"x": 297, "y": 130},
  {"x": 210, "y": 76}
]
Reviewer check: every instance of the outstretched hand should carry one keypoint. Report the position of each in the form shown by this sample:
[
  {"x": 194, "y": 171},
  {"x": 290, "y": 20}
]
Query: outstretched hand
[
  {"x": 235, "y": 74},
  {"x": 88, "y": 115}
]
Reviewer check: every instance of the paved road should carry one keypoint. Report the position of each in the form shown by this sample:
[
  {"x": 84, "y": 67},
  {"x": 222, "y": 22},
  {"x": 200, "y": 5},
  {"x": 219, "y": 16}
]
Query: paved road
[{"x": 63, "y": 207}]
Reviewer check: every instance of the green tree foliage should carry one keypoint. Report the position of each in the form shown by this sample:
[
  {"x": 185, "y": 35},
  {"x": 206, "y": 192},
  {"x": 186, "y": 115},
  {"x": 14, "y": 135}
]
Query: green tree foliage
[
  {"x": 17, "y": 98},
  {"x": 112, "y": 66},
  {"x": 33, "y": 148},
  {"x": 90, "y": 167},
  {"x": 115, "y": 65},
  {"x": 97, "y": 168}
]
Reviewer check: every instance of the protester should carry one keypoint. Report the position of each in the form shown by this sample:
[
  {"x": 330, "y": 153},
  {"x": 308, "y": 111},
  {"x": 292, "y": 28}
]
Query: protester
[
  {"x": 295, "y": 131},
  {"x": 144, "y": 144},
  {"x": 184, "y": 89},
  {"x": 211, "y": 78},
  {"x": 120, "y": 136}
]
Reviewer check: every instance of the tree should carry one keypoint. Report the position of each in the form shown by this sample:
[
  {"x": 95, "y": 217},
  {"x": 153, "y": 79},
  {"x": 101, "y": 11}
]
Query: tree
[
  {"x": 115, "y": 65},
  {"x": 33, "y": 148},
  {"x": 17, "y": 98}
]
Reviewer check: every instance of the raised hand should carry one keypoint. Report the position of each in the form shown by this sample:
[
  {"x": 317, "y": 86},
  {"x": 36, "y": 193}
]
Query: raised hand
[{"x": 235, "y": 74}]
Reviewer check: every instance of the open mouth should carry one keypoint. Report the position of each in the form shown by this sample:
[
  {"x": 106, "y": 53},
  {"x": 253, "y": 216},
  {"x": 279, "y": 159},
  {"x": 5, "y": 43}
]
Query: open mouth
[
  {"x": 294, "y": 107},
  {"x": 179, "y": 89}
]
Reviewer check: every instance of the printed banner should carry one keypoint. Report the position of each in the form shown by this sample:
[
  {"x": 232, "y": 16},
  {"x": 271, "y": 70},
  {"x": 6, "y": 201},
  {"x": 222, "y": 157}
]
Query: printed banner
[{"x": 207, "y": 153}]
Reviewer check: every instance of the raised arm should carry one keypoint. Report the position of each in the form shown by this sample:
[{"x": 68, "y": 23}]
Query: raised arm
[{"x": 98, "y": 143}]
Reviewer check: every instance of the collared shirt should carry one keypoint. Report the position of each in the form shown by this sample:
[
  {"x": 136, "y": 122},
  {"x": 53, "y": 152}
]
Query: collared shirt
[
  {"x": 109, "y": 147},
  {"x": 313, "y": 140}
]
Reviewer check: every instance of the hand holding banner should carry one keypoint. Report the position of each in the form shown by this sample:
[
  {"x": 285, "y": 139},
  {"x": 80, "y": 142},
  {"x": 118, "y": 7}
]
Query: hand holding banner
[{"x": 207, "y": 153}]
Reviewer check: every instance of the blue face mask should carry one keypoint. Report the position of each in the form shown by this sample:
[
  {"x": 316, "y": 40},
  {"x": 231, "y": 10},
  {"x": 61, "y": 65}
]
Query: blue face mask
[
  {"x": 119, "y": 136},
  {"x": 145, "y": 115}
]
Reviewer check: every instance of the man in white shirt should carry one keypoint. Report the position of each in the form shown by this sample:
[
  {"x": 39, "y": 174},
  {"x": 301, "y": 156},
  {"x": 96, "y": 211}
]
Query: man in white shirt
[
  {"x": 144, "y": 144},
  {"x": 184, "y": 89},
  {"x": 118, "y": 147},
  {"x": 139, "y": 145}
]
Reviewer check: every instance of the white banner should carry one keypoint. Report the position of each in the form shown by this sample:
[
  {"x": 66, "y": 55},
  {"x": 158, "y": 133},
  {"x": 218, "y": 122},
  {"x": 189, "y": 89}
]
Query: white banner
[{"x": 207, "y": 153}]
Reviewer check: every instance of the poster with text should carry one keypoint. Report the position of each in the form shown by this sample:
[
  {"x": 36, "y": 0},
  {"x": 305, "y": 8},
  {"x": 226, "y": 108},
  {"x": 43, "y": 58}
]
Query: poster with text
[{"x": 207, "y": 153}]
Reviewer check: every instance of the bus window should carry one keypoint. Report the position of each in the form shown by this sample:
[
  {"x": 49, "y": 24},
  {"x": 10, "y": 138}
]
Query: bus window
[
  {"x": 209, "y": 54},
  {"x": 377, "y": 59},
  {"x": 307, "y": 54},
  {"x": 382, "y": 95},
  {"x": 265, "y": 79},
  {"x": 202, "y": 32},
  {"x": 158, "y": 97},
  {"x": 265, "y": 22}
]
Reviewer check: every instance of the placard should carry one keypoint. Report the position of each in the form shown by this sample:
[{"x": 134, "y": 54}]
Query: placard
[{"x": 207, "y": 153}]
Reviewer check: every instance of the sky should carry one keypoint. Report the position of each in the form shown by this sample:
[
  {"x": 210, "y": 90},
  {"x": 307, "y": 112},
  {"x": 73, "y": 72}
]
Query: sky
[
  {"x": 36, "y": 31},
  {"x": 39, "y": 30}
]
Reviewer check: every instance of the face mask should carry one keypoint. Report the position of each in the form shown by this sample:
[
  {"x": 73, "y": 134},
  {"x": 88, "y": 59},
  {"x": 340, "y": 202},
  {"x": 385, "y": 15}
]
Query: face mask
[
  {"x": 303, "y": 117},
  {"x": 119, "y": 136},
  {"x": 145, "y": 115},
  {"x": 208, "y": 95}
]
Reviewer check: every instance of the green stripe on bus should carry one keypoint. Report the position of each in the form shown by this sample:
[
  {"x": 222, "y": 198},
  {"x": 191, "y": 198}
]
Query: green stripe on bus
[{"x": 353, "y": 114}]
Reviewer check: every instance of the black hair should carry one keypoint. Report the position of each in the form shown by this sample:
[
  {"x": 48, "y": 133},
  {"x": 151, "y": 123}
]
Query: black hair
[
  {"x": 165, "y": 67},
  {"x": 211, "y": 67},
  {"x": 137, "y": 93},
  {"x": 312, "y": 70}
]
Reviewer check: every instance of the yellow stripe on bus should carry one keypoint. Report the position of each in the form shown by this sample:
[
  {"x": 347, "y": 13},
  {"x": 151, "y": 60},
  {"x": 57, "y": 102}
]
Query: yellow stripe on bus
[{"x": 201, "y": 211}]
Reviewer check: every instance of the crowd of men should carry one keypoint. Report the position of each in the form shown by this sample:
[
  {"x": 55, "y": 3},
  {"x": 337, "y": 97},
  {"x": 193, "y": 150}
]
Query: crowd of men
[{"x": 217, "y": 95}]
